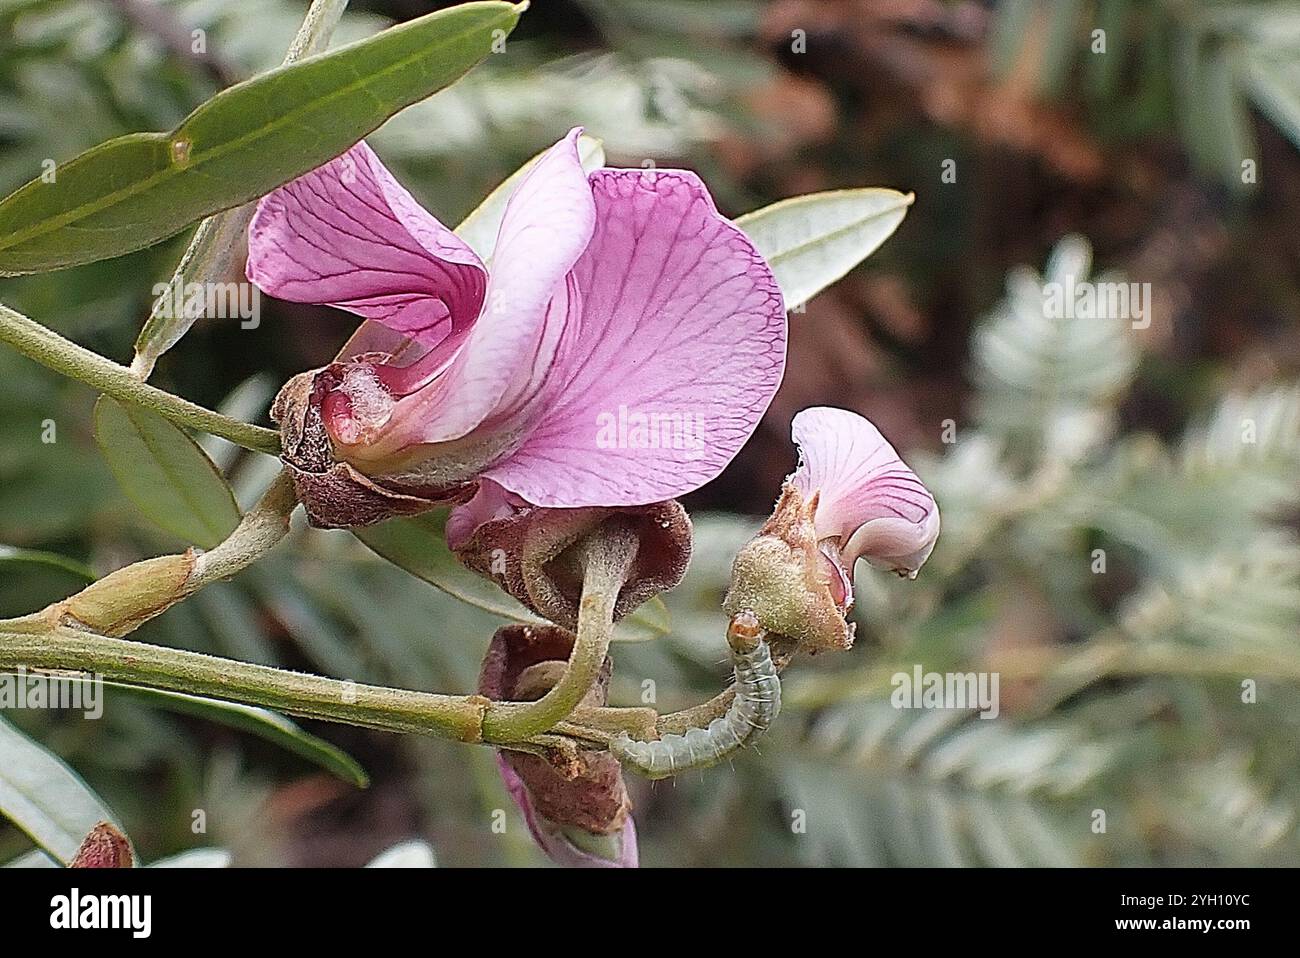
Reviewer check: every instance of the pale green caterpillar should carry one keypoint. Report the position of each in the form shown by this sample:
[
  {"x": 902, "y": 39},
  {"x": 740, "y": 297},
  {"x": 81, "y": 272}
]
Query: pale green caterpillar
[{"x": 757, "y": 702}]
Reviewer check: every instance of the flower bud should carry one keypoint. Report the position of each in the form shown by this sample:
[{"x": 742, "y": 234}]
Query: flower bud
[
  {"x": 104, "y": 847},
  {"x": 785, "y": 578},
  {"x": 334, "y": 494}
]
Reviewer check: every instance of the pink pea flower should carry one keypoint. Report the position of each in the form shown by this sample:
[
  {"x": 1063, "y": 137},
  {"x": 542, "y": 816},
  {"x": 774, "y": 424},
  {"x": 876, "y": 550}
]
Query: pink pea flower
[
  {"x": 869, "y": 504},
  {"x": 620, "y": 351},
  {"x": 851, "y": 497}
]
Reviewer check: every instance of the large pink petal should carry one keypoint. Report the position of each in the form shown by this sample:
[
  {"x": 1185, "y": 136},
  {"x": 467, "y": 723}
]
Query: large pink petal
[
  {"x": 348, "y": 235},
  {"x": 869, "y": 501},
  {"x": 673, "y": 347},
  {"x": 547, "y": 224}
]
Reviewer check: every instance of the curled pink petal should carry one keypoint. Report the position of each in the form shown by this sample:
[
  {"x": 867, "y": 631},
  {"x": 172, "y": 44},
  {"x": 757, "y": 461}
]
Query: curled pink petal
[
  {"x": 869, "y": 502},
  {"x": 673, "y": 348},
  {"x": 547, "y": 224},
  {"x": 348, "y": 235}
]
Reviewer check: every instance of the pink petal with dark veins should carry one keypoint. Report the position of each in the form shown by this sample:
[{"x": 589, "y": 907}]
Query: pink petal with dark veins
[
  {"x": 869, "y": 501},
  {"x": 348, "y": 235},
  {"x": 673, "y": 346},
  {"x": 547, "y": 224}
]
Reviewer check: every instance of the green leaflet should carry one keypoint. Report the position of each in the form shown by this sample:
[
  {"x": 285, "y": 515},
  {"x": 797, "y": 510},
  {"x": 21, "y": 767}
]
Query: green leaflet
[
  {"x": 137, "y": 189},
  {"x": 269, "y": 725},
  {"x": 812, "y": 241},
  {"x": 49, "y": 559},
  {"x": 164, "y": 472}
]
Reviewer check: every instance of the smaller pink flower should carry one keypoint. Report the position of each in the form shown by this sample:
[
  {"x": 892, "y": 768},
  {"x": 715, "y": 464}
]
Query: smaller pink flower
[
  {"x": 850, "y": 498},
  {"x": 868, "y": 504}
]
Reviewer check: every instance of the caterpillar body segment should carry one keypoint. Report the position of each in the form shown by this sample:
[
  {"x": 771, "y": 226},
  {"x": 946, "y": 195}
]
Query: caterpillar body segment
[{"x": 755, "y": 706}]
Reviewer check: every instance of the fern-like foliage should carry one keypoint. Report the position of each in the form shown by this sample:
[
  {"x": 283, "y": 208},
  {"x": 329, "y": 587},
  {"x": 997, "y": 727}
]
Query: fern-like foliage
[
  {"x": 1156, "y": 66},
  {"x": 1049, "y": 361}
]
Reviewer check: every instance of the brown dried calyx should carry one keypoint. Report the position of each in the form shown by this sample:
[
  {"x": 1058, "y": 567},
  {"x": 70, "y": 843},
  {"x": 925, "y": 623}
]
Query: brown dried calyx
[
  {"x": 334, "y": 494},
  {"x": 537, "y": 554},
  {"x": 792, "y": 586},
  {"x": 583, "y": 791}
]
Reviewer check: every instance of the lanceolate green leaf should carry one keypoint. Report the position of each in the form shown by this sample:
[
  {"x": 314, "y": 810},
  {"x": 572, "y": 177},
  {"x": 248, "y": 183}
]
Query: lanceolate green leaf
[
  {"x": 812, "y": 241},
  {"x": 44, "y": 797},
  {"x": 419, "y": 546},
  {"x": 271, "y": 726},
  {"x": 164, "y": 472},
  {"x": 650, "y": 620},
  {"x": 135, "y": 190}
]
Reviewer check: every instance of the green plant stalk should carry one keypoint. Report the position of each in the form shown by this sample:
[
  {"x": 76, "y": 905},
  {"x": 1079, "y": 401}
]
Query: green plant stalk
[
  {"x": 606, "y": 563},
  {"x": 63, "y": 649},
  {"x": 317, "y": 28},
  {"x": 211, "y": 248},
  {"x": 125, "y": 599},
  {"x": 83, "y": 634},
  {"x": 76, "y": 362}
]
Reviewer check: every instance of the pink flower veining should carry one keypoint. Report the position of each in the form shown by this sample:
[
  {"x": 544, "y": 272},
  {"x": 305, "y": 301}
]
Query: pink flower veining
[
  {"x": 868, "y": 503},
  {"x": 613, "y": 297}
]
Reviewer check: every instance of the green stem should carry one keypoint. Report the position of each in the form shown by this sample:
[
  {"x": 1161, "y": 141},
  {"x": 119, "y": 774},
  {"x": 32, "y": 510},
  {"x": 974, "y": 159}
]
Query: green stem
[
  {"x": 310, "y": 696},
  {"x": 54, "y": 352},
  {"x": 605, "y": 570},
  {"x": 317, "y": 28},
  {"x": 258, "y": 532}
]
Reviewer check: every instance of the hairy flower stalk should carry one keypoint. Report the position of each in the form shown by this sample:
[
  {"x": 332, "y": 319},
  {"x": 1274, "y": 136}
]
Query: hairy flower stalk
[
  {"x": 84, "y": 634},
  {"x": 605, "y": 562},
  {"x": 573, "y": 801}
]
